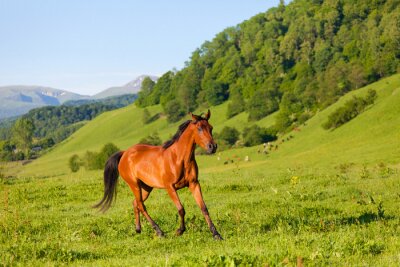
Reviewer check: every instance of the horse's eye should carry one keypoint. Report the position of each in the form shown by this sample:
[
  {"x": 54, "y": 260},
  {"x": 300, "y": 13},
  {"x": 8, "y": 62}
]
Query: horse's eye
[{"x": 199, "y": 129}]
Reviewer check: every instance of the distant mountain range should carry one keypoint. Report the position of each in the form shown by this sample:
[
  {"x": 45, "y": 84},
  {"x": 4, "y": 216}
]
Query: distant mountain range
[
  {"x": 130, "y": 88},
  {"x": 18, "y": 99}
]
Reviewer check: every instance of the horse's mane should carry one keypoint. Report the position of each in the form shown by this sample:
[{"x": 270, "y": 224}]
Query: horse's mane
[{"x": 178, "y": 134}]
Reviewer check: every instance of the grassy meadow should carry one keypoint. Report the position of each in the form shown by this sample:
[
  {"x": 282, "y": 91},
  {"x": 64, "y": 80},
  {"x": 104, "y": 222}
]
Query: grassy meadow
[{"x": 322, "y": 198}]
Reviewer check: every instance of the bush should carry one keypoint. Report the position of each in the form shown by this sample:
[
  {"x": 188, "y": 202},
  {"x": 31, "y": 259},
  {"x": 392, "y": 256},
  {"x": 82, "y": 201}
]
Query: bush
[
  {"x": 146, "y": 117},
  {"x": 174, "y": 111},
  {"x": 256, "y": 135},
  {"x": 152, "y": 139},
  {"x": 107, "y": 151},
  {"x": 351, "y": 109},
  {"x": 74, "y": 163},
  {"x": 96, "y": 161},
  {"x": 229, "y": 135},
  {"x": 91, "y": 161}
]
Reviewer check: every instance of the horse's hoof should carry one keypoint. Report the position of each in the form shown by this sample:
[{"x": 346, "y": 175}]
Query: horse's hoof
[
  {"x": 179, "y": 231},
  {"x": 160, "y": 234},
  {"x": 138, "y": 230},
  {"x": 217, "y": 237}
]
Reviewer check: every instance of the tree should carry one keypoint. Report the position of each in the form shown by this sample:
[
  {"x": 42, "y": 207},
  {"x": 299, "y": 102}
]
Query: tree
[
  {"x": 107, "y": 151},
  {"x": 174, "y": 111},
  {"x": 261, "y": 104},
  {"x": 152, "y": 139},
  {"x": 236, "y": 106},
  {"x": 145, "y": 91},
  {"x": 74, "y": 163},
  {"x": 23, "y": 133},
  {"x": 229, "y": 135},
  {"x": 256, "y": 135},
  {"x": 146, "y": 117}
]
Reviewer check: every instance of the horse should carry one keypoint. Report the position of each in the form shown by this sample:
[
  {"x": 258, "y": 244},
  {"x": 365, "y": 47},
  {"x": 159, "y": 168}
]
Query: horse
[{"x": 171, "y": 166}]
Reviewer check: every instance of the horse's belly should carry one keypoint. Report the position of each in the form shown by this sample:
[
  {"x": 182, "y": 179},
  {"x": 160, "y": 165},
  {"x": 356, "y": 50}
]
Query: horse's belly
[{"x": 149, "y": 173}]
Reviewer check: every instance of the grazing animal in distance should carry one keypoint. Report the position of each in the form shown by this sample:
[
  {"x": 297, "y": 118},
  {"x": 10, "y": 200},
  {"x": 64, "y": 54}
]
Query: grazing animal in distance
[{"x": 171, "y": 166}]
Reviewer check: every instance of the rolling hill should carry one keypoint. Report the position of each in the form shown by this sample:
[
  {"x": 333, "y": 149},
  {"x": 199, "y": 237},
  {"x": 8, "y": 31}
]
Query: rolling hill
[{"x": 371, "y": 137}]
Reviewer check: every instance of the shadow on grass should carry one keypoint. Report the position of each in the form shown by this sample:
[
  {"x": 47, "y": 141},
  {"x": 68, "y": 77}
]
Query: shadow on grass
[{"x": 318, "y": 223}]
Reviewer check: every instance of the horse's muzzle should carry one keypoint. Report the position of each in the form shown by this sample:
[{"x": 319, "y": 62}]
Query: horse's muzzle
[{"x": 211, "y": 148}]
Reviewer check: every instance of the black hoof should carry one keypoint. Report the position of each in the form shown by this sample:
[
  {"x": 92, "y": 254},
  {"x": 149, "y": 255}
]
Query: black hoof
[
  {"x": 217, "y": 237},
  {"x": 180, "y": 231},
  {"x": 160, "y": 234},
  {"x": 138, "y": 230}
]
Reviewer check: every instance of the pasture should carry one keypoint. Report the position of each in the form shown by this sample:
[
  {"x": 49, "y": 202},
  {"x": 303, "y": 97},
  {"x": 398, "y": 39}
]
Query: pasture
[{"x": 323, "y": 198}]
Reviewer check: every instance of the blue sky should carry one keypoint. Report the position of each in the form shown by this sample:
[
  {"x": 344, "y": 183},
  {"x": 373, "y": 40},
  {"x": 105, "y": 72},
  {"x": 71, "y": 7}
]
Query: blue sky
[{"x": 85, "y": 46}]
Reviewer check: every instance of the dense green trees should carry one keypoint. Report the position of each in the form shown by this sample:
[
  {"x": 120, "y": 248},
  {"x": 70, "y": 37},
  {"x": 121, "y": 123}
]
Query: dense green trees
[
  {"x": 229, "y": 135},
  {"x": 22, "y": 134},
  {"x": 255, "y": 135},
  {"x": 351, "y": 109},
  {"x": 297, "y": 58}
]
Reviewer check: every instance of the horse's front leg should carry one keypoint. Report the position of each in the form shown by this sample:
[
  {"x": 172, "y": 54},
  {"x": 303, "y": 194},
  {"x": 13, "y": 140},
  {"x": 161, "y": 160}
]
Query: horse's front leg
[
  {"x": 181, "y": 210},
  {"x": 196, "y": 191}
]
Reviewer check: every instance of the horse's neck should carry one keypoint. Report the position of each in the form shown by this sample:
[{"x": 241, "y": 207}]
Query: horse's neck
[{"x": 185, "y": 146}]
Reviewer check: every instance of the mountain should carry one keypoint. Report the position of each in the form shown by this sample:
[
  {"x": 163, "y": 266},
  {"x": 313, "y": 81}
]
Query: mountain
[
  {"x": 17, "y": 100},
  {"x": 130, "y": 88}
]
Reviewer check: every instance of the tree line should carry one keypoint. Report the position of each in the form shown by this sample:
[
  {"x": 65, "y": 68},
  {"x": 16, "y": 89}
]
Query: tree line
[
  {"x": 296, "y": 58},
  {"x": 44, "y": 127}
]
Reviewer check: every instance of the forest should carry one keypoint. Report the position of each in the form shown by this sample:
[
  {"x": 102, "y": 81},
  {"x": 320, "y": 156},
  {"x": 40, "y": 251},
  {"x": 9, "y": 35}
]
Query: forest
[{"x": 296, "y": 58}]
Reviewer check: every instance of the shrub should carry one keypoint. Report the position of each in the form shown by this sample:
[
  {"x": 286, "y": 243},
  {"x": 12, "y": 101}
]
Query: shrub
[
  {"x": 107, "y": 151},
  {"x": 229, "y": 135},
  {"x": 97, "y": 160},
  {"x": 174, "y": 111},
  {"x": 146, "y": 117},
  {"x": 91, "y": 161},
  {"x": 152, "y": 139},
  {"x": 256, "y": 135},
  {"x": 74, "y": 163},
  {"x": 351, "y": 109}
]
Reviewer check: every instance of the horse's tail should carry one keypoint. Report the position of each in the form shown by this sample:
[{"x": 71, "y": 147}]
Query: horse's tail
[{"x": 110, "y": 182}]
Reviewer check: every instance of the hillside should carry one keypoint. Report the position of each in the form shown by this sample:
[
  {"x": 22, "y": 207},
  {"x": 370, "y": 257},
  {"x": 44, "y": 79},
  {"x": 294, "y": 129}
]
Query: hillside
[
  {"x": 372, "y": 137},
  {"x": 324, "y": 198},
  {"x": 296, "y": 58}
]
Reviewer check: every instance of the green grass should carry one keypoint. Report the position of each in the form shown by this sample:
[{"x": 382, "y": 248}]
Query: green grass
[{"x": 324, "y": 197}]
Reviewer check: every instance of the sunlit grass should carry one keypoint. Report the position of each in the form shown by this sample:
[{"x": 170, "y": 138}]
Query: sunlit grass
[{"x": 322, "y": 198}]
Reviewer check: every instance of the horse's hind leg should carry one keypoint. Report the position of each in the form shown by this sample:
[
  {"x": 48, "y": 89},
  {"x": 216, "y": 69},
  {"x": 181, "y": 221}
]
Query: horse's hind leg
[
  {"x": 136, "y": 188},
  {"x": 146, "y": 190}
]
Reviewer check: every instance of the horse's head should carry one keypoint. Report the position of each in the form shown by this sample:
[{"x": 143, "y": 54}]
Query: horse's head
[{"x": 203, "y": 132}]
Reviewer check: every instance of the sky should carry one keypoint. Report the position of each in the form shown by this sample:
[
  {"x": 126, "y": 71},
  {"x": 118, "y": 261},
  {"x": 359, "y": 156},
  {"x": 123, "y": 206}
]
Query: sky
[{"x": 86, "y": 46}]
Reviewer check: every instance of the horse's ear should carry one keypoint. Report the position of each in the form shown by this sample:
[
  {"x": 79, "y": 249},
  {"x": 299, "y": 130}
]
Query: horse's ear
[
  {"x": 195, "y": 118},
  {"x": 208, "y": 115}
]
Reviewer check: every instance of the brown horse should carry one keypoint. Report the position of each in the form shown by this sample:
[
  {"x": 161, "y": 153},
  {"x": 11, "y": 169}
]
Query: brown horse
[{"x": 171, "y": 166}]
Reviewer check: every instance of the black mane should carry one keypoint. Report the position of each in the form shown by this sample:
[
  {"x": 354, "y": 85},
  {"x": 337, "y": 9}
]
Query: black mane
[{"x": 178, "y": 134}]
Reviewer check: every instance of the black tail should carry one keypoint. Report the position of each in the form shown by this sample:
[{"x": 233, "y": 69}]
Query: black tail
[{"x": 110, "y": 182}]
